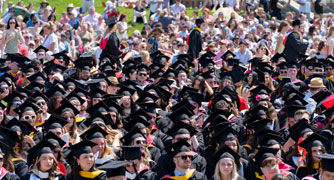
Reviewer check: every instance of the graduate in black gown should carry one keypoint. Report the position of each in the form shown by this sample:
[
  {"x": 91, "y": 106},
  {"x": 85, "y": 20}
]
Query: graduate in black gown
[
  {"x": 294, "y": 46},
  {"x": 4, "y": 173},
  {"x": 182, "y": 157},
  {"x": 83, "y": 165},
  {"x": 45, "y": 164},
  {"x": 195, "y": 39},
  {"x": 110, "y": 40}
]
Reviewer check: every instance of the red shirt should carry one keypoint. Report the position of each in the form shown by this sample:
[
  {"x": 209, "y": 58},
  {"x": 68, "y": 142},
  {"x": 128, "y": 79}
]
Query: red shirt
[{"x": 23, "y": 50}]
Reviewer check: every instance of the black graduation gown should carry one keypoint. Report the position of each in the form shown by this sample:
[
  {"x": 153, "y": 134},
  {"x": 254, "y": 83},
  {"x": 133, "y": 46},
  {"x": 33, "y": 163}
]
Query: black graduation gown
[
  {"x": 302, "y": 171},
  {"x": 165, "y": 164},
  {"x": 146, "y": 174},
  {"x": 10, "y": 176},
  {"x": 195, "y": 176},
  {"x": 195, "y": 43},
  {"x": 100, "y": 176},
  {"x": 21, "y": 167},
  {"x": 112, "y": 47},
  {"x": 294, "y": 46}
]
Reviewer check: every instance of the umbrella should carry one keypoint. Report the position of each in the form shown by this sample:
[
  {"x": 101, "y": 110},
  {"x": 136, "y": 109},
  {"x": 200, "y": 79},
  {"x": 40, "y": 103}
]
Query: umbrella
[
  {"x": 226, "y": 13},
  {"x": 19, "y": 9}
]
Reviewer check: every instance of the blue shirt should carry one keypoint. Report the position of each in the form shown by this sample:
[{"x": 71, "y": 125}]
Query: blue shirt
[
  {"x": 178, "y": 173},
  {"x": 155, "y": 45},
  {"x": 75, "y": 24}
]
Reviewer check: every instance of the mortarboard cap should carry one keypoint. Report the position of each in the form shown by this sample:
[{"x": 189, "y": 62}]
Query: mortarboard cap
[
  {"x": 66, "y": 107},
  {"x": 20, "y": 126},
  {"x": 62, "y": 56},
  {"x": 132, "y": 152},
  {"x": 26, "y": 106},
  {"x": 98, "y": 118},
  {"x": 93, "y": 132},
  {"x": 83, "y": 147},
  {"x": 55, "y": 91},
  {"x": 313, "y": 140},
  {"x": 264, "y": 153},
  {"x": 181, "y": 128},
  {"x": 8, "y": 136},
  {"x": 115, "y": 168},
  {"x": 54, "y": 139},
  {"x": 54, "y": 122},
  {"x": 132, "y": 135},
  {"x": 40, "y": 49},
  {"x": 228, "y": 54},
  {"x": 177, "y": 147},
  {"x": 326, "y": 162}
]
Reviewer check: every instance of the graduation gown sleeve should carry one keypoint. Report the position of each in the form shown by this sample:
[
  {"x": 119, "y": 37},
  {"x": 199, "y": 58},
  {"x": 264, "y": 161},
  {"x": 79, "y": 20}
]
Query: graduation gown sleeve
[
  {"x": 195, "y": 43},
  {"x": 294, "y": 46},
  {"x": 21, "y": 168},
  {"x": 10, "y": 176}
]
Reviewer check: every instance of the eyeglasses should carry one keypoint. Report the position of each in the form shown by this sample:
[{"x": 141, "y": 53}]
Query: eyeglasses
[
  {"x": 12, "y": 23},
  {"x": 263, "y": 48},
  {"x": 27, "y": 117},
  {"x": 328, "y": 69},
  {"x": 4, "y": 88},
  {"x": 142, "y": 74},
  {"x": 185, "y": 157},
  {"x": 16, "y": 104},
  {"x": 41, "y": 103},
  {"x": 141, "y": 142}
]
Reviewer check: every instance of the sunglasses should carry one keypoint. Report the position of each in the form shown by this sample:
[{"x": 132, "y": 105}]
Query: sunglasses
[
  {"x": 328, "y": 69},
  {"x": 185, "y": 157},
  {"x": 4, "y": 88},
  {"x": 142, "y": 74},
  {"x": 1, "y": 159},
  {"x": 12, "y": 23},
  {"x": 41, "y": 103},
  {"x": 141, "y": 142},
  {"x": 180, "y": 139},
  {"x": 27, "y": 117}
]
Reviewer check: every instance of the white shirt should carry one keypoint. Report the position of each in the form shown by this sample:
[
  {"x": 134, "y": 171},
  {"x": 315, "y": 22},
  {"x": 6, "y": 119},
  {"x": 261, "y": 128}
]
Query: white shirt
[
  {"x": 93, "y": 19},
  {"x": 49, "y": 40},
  {"x": 154, "y": 7},
  {"x": 244, "y": 58},
  {"x": 305, "y": 6}
]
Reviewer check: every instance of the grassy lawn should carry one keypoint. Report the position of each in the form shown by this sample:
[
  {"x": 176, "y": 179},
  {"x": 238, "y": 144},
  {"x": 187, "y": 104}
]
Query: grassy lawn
[{"x": 62, "y": 4}]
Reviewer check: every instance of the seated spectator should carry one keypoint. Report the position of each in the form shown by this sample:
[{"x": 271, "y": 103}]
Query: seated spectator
[
  {"x": 177, "y": 8},
  {"x": 64, "y": 18},
  {"x": 92, "y": 17},
  {"x": 139, "y": 12},
  {"x": 74, "y": 22}
]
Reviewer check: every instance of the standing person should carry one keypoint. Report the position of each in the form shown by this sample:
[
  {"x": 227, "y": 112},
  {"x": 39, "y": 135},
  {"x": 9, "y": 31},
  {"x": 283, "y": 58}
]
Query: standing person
[
  {"x": 318, "y": 6},
  {"x": 152, "y": 41},
  {"x": 330, "y": 41},
  {"x": 50, "y": 39},
  {"x": 12, "y": 37},
  {"x": 305, "y": 7},
  {"x": 294, "y": 45},
  {"x": 86, "y": 5},
  {"x": 154, "y": 5},
  {"x": 282, "y": 30},
  {"x": 195, "y": 39},
  {"x": 276, "y": 7},
  {"x": 123, "y": 27},
  {"x": 110, "y": 42}
]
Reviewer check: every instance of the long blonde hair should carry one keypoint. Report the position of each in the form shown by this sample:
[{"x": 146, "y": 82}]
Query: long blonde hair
[
  {"x": 53, "y": 172},
  {"x": 50, "y": 26},
  {"x": 330, "y": 32},
  {"x": 217, "y": 175}
]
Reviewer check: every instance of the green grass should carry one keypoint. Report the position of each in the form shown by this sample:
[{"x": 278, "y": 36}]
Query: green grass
[{"x": 62, "y": 4}]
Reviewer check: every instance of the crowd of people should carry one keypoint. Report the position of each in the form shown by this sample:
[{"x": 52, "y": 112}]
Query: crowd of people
[{"x": 243, "y": 92}]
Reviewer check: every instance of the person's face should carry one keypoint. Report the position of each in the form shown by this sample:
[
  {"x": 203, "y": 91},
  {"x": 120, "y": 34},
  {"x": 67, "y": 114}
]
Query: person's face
[
  {"x": 226, "y": 166},
  {"x": 126, "y": 102},
  {"x": 85, "y": 74},
  {"x": 270, "y": 170},
  {"x": 183, "y": 160},
  {"x": 12, "y": 23},
  {"x": 266, "y": 78},
  {"x": 291, "y": 121},
  {"x": 232, "y": 144},
  {"x": 182, "y": 77},
  {"x": 142, "y": 76},
  {"x": 318, "y": 70},
  {"x": 113, "y": 116},
  {"x": 316, "y": 150},
  {"x": 180, "y": 137},
  {"x": 326, "y": 175},
  {"x": 197, "y": 84},
  {"x": 263, "y": 103},
  {"x": 302, "y": 116},
  {"x": 86, "y": 161},
  {"x": 42, "y": 104},
  {"x": 5, "y": 89},
  {"x": 328, "y": 71},
  {"x": 292, "y": 72},
  {"x": 227, "y": 82},
  {"x": 210, "y": 81},
  {"x": 140, "y": 141},
  {"x": 103, "y": 86},
  {"x": 29, "y": 116},
  {"x": 99, "y": 147},
  {"x": 46, "y": 162},
  {"x": 46, "y": 30},
  {"x": 279, "y": 153},
  {"x": 69, "y": 118},
  {"x": 96, "y": 100},
  {"x": 57, "y": 131},
  {"x": 242, "y": 47},
  {"x": 153, "y": 118}
]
